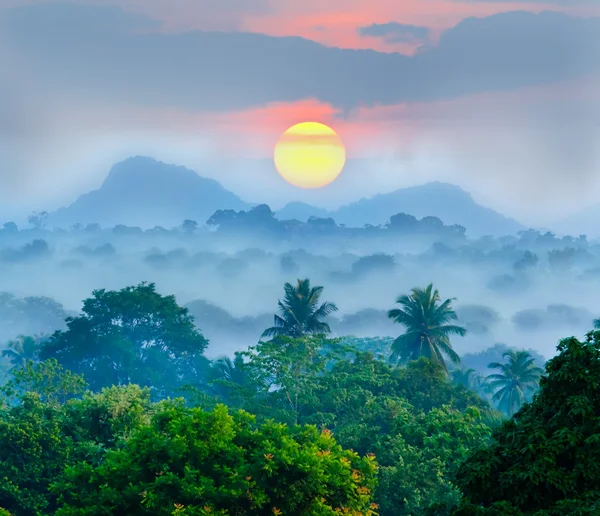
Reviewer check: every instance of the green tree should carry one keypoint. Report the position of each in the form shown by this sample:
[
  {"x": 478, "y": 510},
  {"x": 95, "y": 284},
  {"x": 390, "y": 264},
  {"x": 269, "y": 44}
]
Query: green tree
[
  {"x": 287, "y": 370},
  {"x": 517, "y": 381},
  {"x": 419, "y": 456},
  {"x": 47, "y": 380},
  {"x": 35, "y": 450},
  {"x": 188, "y": 461},
  {"x": 418, "y": 425},
  {"x": 427, "y": 327},
  {"x": 545, "y": 460},
  {"x": 23, "y": 349},
  {"x": 597, "y": 324},
  {"x": 134, "y": 335},
  {"x": 300, "y": 313},
  {"x": 48, "y": 424}
]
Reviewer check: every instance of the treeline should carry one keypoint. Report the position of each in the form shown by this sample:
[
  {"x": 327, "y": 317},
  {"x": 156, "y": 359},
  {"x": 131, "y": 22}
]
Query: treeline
[{"x": 121, "y": 413}]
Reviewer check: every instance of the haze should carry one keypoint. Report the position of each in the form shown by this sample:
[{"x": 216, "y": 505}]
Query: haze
[{"x": 499, "y": 99}]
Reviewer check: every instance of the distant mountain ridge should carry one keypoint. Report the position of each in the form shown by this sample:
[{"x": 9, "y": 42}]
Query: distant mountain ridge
[
  {"x": 141, "y": 191},
  {"x": 448, "y": 202}
]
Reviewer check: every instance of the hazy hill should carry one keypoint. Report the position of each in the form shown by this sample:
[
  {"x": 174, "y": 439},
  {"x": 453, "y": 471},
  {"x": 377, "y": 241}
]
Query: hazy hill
[
  {"x": 143, "y": 192},
  {"x": 448, "y": 202}
]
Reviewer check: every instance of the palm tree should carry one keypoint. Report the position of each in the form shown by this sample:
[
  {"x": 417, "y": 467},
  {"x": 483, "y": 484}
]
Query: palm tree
[
  {"x": 231, "y": 370},
  {"x": 300, "y": 313},
  {"x": 233, "y": 380},
  {"x": 427, "y": 329},
  {"x": 517, "y": 381},
  {"x": 466, "y": 377},
  {"x": 22, "y": 350},
  {"x": 596, "y": 324}
]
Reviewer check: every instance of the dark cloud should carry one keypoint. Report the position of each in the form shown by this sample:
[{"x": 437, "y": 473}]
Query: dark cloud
[
  {"x": 99, "y": 53},
  {"x": 394, "y": 32},
  {"x": 49, "y": 20}
]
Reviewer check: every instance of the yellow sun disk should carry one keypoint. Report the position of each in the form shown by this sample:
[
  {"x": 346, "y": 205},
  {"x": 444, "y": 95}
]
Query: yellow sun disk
[{"x": 310, "y": 155}]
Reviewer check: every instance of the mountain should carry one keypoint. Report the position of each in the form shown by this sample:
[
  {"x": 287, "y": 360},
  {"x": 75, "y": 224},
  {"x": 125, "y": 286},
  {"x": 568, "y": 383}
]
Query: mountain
[
  {"x": 143, "y": 192},
  {"x": 448, "y": 202}
]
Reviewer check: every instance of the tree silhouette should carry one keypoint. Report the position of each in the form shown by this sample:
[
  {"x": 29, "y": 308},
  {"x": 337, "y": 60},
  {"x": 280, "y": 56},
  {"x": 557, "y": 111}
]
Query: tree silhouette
[
  {"x": 22, "y": 350},
  {"x": 300, "y": 313}
]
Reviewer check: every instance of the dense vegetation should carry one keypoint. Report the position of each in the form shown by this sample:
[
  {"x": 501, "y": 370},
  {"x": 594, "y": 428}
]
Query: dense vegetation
[{"x": 120, "y": 412}]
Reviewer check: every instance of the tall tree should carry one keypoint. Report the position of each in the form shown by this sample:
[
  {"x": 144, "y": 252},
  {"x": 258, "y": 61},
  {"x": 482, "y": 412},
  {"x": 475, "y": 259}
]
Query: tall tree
[
  {"x": 517, "y": 381},
  {"x": 545, "y": 461},
  {"x": 134, "y": 335},
  {"x": 428, "y": 328},
  {"x": 300, "y": 313}
]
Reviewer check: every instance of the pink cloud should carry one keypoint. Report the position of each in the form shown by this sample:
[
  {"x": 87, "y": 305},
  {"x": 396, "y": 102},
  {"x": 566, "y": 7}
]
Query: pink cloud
[{"x": 332, "y": 23}]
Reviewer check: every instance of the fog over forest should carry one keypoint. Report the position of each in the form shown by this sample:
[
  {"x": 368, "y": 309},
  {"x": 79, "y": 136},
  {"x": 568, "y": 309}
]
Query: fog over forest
[{"x": 526, "y": 290}]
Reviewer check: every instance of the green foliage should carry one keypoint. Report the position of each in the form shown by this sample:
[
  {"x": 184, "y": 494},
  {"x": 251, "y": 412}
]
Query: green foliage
[
  {"x": 417, "y": 424},
  {"x": 544, "y": 460},
  {"x": 300, "y": 313},
  {"x": 381, "y": 347},
  {"x": 187, "y": 461},
  {"x": 116, "y": 452},
  {"x": 34, "y": 453},
  {"x": 427, "y": 327},
  {"x": 517, "y": 381},
  {"x": 104, "y": 419},
  {"x": 419, "y": 455},
  {"x": 35, "y": 449},
  {"x": 47, "y": 380},
  {"x": 287, "y": 371},
  {"x": 133, "y": 335}
]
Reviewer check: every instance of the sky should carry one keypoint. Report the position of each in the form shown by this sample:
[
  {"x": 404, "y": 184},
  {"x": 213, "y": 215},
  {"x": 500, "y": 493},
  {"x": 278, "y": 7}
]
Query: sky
[{"x": 501, "y": 98}]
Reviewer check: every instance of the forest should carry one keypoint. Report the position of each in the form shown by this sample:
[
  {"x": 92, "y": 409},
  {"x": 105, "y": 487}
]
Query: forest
[
  {"x": 299, "y": 258},
  {"x": 289, "y": 368},
  {"x": 121, "y": 412}
]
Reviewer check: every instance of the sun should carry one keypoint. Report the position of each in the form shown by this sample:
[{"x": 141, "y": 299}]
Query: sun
[{"x": 310, "y": 155}]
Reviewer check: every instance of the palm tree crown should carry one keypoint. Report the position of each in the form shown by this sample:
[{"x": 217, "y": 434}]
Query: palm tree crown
[
  {"x": 516, "y": 382},
  {"x": 427, "y": 327},
  {"x": 231, "y": 370},
  {"x": 466, "y": 377},
  {"x": 300, "y": 313},
  {"x": 23, "y": 349}
]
